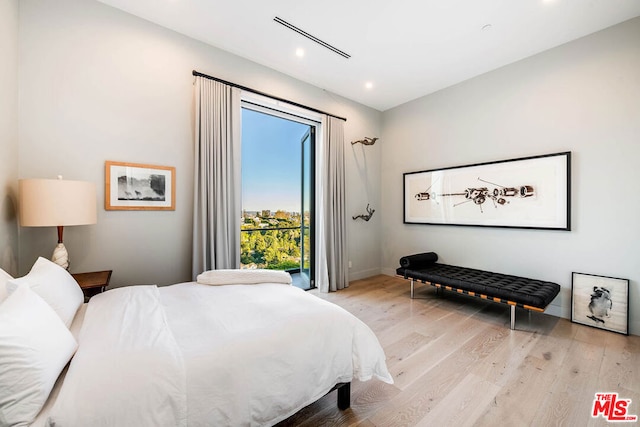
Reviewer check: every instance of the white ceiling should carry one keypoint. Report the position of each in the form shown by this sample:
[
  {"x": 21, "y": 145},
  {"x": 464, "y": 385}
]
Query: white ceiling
[{"x": 405, "y": 48}]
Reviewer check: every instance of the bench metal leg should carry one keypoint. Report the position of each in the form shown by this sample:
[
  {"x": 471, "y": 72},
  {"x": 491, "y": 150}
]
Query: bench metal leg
[
  {"x": 513, "y": 317},
  {"x": 411, "y": 288}
]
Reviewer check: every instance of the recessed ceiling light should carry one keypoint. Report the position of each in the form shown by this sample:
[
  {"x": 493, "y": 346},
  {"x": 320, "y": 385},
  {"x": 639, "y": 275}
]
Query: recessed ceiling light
[
  {"x": 368, "y": 85},
  {"x": 299, "y": 52}
]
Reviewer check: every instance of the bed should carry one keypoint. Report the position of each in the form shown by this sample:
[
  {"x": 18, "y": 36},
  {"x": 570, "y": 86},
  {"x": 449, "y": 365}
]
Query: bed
[{"x": 191, "y": 354}]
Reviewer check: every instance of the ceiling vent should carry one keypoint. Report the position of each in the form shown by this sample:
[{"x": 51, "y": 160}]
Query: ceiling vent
[{"x": 311, "y": 37}]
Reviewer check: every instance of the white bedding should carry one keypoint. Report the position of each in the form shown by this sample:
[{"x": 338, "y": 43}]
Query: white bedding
[
  {"x": 75, "y": 327},
  {"x": 130, "y": 371},
  {"x": 192, "y": 354}
]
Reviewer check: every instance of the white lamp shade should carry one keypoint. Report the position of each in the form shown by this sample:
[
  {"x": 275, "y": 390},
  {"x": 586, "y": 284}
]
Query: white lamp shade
[{"x": 56, "y": 202}]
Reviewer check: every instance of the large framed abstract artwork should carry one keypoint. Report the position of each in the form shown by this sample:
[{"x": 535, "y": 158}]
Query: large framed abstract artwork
[
  {"x": 529, "y": 192},
  {"x": 135, "y": 186},
  {"x": 601, "y": 302}
]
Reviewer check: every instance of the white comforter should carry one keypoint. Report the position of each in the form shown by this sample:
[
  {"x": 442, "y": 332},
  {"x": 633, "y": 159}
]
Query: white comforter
[{"x": 197, "y": 355}]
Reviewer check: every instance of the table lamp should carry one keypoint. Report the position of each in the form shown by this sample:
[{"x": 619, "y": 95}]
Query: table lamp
[{"x": 57, "y": 203}]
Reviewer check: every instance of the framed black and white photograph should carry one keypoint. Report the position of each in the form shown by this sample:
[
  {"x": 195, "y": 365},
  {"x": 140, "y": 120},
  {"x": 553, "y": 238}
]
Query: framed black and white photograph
[
  {"x": 529, "y": 192},
  {"x": 601, "y": 302},
  {"x": 135, "y": 186}
]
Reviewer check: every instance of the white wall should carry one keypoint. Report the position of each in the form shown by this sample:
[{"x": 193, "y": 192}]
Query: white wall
[
  {"x": 8, "y": 135},
  {"x": 582, "y": 97},
  {"x": 363, "y": 182},
  {"x": 98, "y": 84}
]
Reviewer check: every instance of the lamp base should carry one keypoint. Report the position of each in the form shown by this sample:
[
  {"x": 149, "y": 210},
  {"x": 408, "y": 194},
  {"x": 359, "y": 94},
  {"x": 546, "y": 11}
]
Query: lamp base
[{"x": 61, "y": 256}]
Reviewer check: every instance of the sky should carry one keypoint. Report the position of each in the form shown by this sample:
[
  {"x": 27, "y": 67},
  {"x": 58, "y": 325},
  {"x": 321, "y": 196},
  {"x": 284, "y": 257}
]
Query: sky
[{"x": 271, "y": 162}]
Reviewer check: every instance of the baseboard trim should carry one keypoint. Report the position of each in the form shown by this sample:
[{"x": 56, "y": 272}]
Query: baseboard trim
[{"x": 363, "y": 274}]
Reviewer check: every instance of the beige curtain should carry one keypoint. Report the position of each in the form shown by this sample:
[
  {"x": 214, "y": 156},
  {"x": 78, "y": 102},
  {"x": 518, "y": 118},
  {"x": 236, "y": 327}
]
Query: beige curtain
[
  {"x": 332, "y": 218},
  {"x": 217, "y": 190}
]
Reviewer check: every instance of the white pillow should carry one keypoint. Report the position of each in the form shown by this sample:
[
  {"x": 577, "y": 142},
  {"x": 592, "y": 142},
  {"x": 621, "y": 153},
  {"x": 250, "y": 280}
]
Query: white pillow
[
  {"x": 35, "y": 346},
  {"x": 4, "y": 278},
  {"x": 55, "y": 285}
]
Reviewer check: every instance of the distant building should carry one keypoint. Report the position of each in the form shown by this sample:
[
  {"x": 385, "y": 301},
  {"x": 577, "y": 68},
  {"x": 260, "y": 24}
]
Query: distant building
[{"x": 280, "y": 214}]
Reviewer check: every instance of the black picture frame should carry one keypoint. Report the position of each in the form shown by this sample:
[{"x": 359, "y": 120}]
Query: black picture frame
[
  {"x": 528, "y": 192},
  {"x": 601, "y": 302}
]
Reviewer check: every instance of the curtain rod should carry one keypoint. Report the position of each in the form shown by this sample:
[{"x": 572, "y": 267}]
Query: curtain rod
[{"x": 257, "y": 92}]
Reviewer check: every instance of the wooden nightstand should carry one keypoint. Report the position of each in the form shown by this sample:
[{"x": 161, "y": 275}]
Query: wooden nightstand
[{"x": 92, "y": 283}]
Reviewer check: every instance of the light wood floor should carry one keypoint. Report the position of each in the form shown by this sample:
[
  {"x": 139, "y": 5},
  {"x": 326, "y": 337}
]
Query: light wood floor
[{"x": 455, "y": 362}]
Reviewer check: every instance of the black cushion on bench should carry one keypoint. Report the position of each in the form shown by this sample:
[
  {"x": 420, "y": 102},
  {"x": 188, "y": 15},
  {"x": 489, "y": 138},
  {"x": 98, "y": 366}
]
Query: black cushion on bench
[
  {"x": 418, "y": 260},
  {"x": 535, "y": 293}
]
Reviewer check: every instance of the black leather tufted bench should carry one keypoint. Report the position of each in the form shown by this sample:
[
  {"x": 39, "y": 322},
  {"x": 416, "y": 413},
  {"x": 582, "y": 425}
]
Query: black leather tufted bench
[{"x": 512, "y": 290}]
